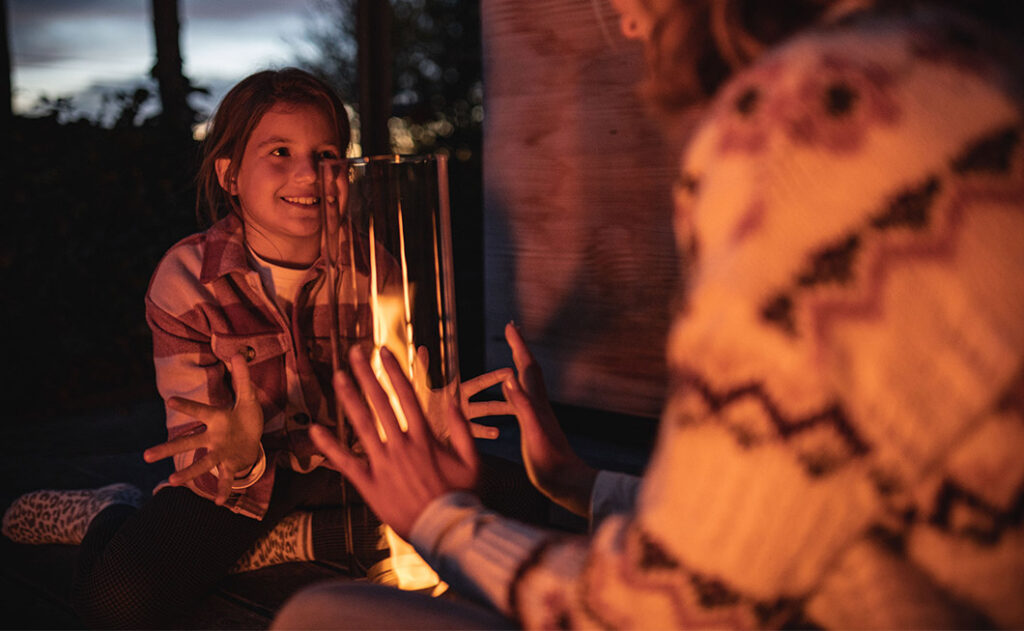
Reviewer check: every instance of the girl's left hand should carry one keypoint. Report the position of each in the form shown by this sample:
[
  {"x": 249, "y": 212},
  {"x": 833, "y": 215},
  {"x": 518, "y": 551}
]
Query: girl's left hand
[
  {"x": 403, "y": 472},
  {"x": 231, "y": 436}
]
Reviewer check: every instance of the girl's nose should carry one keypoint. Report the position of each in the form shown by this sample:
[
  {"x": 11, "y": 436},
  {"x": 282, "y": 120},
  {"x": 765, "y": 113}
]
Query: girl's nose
[{"x": 305, "y": 170}]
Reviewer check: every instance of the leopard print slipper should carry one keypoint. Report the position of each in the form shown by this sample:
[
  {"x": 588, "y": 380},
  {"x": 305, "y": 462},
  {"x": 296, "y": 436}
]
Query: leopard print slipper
[{"x": 42, "y": 517}]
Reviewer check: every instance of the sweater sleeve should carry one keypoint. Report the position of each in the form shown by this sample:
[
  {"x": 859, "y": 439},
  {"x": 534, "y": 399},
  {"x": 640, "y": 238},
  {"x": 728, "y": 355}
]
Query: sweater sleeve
[{"x": 473, "y": 549}]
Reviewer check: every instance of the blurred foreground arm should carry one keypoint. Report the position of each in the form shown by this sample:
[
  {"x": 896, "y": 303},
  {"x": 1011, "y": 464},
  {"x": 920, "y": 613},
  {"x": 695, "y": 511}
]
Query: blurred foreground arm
[{"x": 421, "y": 487}]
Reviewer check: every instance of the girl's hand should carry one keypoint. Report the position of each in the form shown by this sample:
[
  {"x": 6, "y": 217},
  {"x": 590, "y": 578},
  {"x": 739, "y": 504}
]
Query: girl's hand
[
  {"x": 404, "y": 472},
  {"x": 435, "y": 401},
  {"x": 231, "y": 436},
  {"x": 477, "y": 409},
  {"x": 553, "y": 467}
]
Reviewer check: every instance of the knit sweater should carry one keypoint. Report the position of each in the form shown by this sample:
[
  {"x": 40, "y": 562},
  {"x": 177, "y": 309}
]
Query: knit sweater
[{"x": 843, "y": 440}]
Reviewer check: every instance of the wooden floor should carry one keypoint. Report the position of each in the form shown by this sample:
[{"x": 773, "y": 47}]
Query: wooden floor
[{"x": 90, "y": 450}]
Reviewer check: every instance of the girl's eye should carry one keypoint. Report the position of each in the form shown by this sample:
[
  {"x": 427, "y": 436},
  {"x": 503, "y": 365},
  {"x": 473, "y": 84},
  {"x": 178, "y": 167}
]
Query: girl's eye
[
  {"x": 280, "y": 151},
  {"x": 328, "y": 154}
]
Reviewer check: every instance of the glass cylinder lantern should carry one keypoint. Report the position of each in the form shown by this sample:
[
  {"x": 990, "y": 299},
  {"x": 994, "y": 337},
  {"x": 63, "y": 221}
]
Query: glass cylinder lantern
[{"x": 387, "y": 244}]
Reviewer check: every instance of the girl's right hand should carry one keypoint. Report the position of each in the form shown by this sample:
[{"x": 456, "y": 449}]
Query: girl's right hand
[
  {"x": 231, "y": 436},
  {"x": 553, "y": 467}
]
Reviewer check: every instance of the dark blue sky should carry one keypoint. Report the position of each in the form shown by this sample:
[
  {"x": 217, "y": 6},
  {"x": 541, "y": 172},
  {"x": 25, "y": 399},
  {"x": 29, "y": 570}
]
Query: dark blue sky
[{"x": 83, "y": 47}]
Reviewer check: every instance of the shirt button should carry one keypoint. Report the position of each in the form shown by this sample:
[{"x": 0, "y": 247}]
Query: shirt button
[{"x": 250, "y": 353}]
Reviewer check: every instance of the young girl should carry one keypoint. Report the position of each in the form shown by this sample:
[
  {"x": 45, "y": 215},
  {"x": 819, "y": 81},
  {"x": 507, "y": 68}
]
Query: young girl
[{"x": 239, "y": 317}]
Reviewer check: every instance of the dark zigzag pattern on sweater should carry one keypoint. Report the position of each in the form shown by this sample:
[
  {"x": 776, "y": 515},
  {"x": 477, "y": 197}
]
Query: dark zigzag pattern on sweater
[
  {"x": 647, "y": 565},
  {"x": 951, "y": 495},
  {"x": 992, "y": 154},
  {"x": 832, "y": 415}
]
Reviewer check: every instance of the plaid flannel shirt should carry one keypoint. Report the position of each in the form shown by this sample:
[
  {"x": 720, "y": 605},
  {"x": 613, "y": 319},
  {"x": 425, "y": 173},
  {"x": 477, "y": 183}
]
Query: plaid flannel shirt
[{"x": 206, "y": 303}]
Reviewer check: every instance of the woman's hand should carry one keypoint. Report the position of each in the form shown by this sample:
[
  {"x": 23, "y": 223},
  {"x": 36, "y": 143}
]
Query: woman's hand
[
  {"x": 402, "y": 473},
  {"x": 231, "y": 436},
  {"x": 550, "y": 462}
]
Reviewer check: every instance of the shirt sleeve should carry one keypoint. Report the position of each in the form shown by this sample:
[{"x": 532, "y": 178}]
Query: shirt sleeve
[
  {"x": 473, "y": 549},
  {"x": 187, "y": 367},
  {"x": 613, "y": 493}
]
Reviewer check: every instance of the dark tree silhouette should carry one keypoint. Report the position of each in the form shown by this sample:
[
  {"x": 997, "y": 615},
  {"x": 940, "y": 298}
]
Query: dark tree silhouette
[
  {"x": 5, "y": 60},
  {"x": 436, "y": 88},
  {"x": 177, "y": 115}
]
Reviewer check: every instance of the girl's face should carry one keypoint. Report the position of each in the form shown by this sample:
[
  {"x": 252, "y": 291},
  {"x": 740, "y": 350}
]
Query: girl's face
[{"x": 276, "y": 182}]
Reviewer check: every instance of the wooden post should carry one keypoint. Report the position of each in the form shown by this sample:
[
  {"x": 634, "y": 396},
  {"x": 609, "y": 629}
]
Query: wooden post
[{"x": 373, "y": 26}]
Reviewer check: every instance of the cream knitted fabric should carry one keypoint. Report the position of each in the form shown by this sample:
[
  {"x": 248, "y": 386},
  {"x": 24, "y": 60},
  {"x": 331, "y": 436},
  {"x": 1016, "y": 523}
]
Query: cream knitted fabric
[{"x": 843, "y": 439}]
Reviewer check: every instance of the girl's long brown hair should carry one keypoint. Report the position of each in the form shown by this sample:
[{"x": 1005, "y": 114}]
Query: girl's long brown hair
[{"x": 237, "y": 116}]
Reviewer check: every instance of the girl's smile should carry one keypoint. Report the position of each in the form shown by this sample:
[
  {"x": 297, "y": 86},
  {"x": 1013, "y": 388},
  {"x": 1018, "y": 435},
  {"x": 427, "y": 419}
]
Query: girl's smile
[{"x": 276, "y": 182}]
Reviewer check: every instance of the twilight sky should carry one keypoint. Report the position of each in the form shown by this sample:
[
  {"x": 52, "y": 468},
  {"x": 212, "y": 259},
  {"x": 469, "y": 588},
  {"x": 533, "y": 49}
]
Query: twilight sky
[{"x": 65, "y": 47}]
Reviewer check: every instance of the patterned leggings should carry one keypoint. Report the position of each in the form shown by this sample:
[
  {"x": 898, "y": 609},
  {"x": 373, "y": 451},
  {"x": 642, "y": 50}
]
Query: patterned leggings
[{"x": 151, "y": 567}]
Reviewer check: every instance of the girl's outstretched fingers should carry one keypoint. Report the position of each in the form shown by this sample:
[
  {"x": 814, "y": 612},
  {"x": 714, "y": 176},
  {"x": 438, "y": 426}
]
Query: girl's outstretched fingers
[
  {"x": 477, "y": 409},
  {"x": 353, "y": 468},
  {"x": 187, "y": 442}
]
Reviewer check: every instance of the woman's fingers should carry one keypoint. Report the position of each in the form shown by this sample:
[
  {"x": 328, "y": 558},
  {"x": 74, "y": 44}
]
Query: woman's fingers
[
  {"x": 530, "y": 424},
  {"x": 373, "y": 391},
  {"x": 529, "y": 371},
  {"x": 417, "y": 426},
  {"x": 359, "y": 416}
]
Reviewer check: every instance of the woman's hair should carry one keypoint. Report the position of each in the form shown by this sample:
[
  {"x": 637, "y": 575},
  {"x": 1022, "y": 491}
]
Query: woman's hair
[
  {"x": 695, "y": 45},
  {"x": 238, "y": 114}
]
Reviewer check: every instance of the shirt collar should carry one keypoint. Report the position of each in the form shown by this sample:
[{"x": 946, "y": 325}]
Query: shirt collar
[{"x": 225, "y": 249}]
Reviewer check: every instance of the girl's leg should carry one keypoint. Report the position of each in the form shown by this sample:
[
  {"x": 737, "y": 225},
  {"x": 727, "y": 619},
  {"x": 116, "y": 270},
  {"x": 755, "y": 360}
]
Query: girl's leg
[
  {"x": 151, "y": 567},
  {"x": 332, "y": 524},
  {"x": 145, "y": 568}
]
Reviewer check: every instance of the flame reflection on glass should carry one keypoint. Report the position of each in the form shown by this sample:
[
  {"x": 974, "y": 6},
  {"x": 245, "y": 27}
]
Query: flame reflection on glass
[{"x": 387, "y": 245}]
